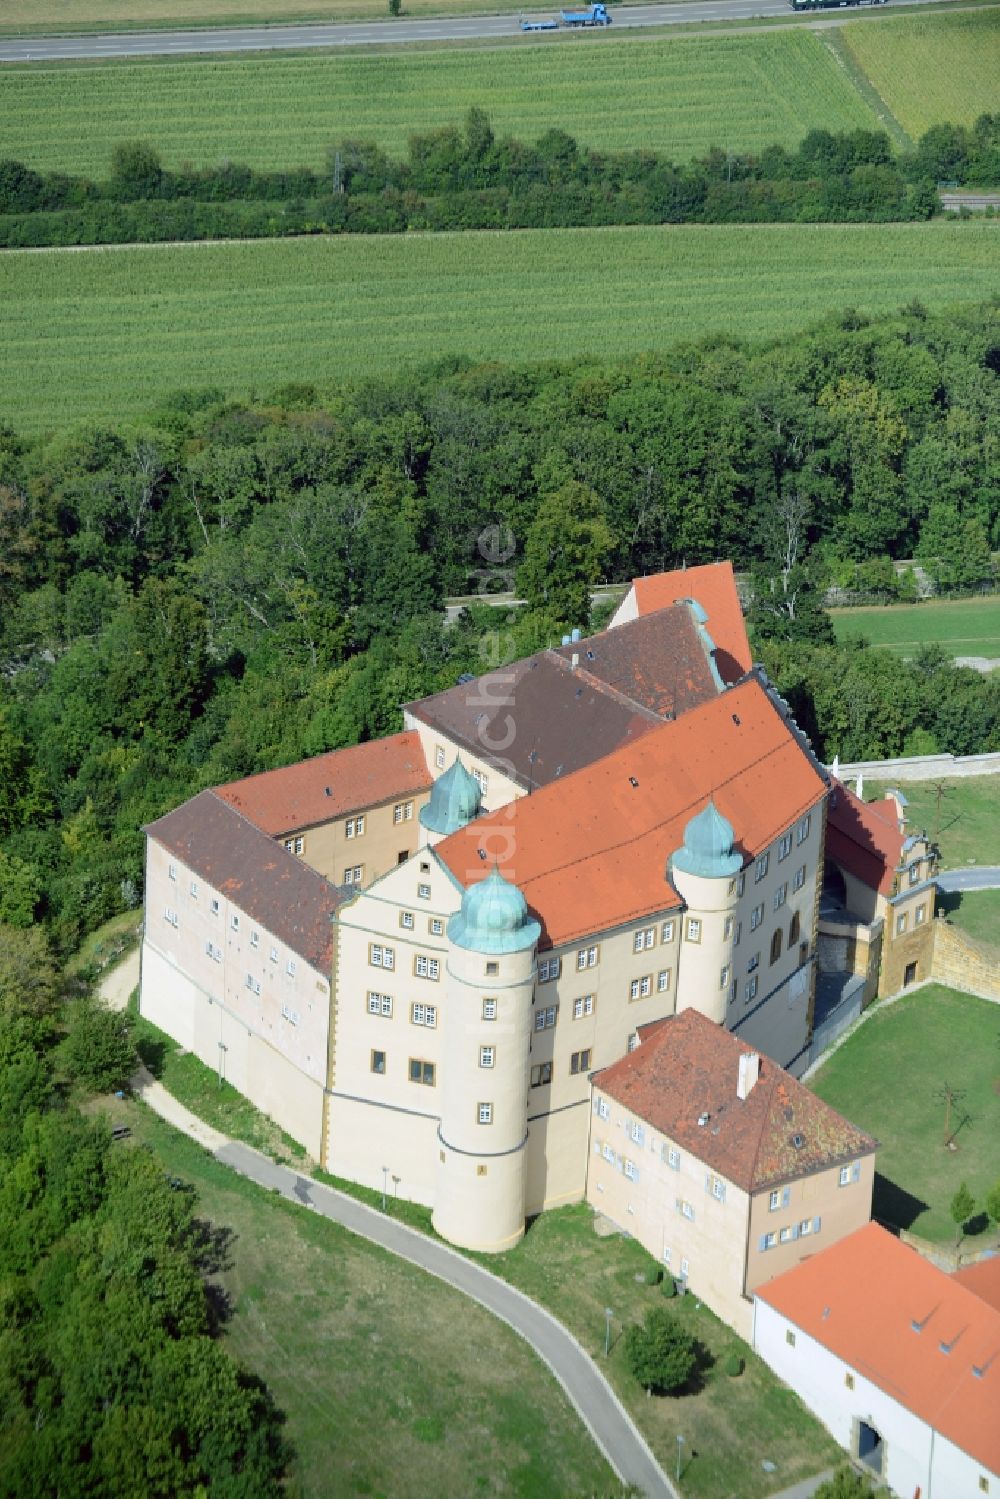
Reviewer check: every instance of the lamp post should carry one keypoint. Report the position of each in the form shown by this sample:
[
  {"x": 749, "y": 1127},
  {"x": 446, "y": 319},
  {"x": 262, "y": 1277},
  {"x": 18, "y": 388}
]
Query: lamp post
[
  {"x": 608, "y": 1314},
  {"x": 223, "y": 1048},
  {"x": 385, "y": 1184},
  {"x": 395, "y": 1188},
  {"x": 680, "y": 1444}
]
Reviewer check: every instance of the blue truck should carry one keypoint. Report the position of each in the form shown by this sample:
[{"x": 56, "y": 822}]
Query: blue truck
[{"x": 594, "y": 15}]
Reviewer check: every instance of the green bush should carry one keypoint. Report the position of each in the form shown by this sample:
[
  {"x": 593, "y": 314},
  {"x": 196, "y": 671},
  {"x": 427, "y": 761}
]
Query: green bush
[
  {"x": 661, "y": 1354},
  {"x": 654, "y": 1274},
  {"x": 733, "y": 1364},
  {"x": 98, "y": 1050},
  {"x": 669, "y": 1287}
]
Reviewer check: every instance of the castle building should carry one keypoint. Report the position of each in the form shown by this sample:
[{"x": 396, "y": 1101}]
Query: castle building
[{"x": 414, "y": 954}]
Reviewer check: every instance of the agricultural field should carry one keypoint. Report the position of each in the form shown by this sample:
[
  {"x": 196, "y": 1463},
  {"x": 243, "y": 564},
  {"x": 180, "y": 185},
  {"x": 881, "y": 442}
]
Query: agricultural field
[
  {"x": 965, "y": 627},
  {"x": 888, "y": 1077},
  {"x": 41, "y": 17},
  {"x": 932, "y": 68},
  {"x": 102, "y": 334},
  {"x": 685, "y": 95}
]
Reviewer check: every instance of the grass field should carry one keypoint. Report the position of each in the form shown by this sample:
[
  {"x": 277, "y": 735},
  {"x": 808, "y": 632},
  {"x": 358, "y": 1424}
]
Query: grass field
[
  {"x": 966, "y": 825},
  {"x": 886, "y": 1077},
  {"x": 41, "y": 17},
  {"x": 104, "y": 334},
  {"x": 932, "y": 68},
  {"x": 967, "y": 627},
  {"x": 976, "y": 912},
  {"x": 360, "y": 1350},
  {"x": 684, "y": 95}
]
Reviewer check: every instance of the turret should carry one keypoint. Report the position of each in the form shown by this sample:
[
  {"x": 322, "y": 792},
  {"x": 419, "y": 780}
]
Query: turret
[
  {"x": 479, "y": 1193},
  {"x": 454, "y": 801},
  {"x": 704, "y": 871}
]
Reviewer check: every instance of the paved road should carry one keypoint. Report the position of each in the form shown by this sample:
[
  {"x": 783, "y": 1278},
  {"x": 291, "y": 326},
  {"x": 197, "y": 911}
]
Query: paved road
[
  {"x": 445, "y": 29},
  {"x": 969, "y": 879}
]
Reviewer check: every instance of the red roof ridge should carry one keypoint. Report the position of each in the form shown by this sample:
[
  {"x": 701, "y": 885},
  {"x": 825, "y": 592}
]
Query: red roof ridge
[{"x": 605, "y": 688}]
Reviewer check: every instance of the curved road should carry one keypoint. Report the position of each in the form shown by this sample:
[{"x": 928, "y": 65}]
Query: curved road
[{"x": 367, "y": 33}]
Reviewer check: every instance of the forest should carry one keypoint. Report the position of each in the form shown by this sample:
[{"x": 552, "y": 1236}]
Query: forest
[
  {"x": 470, "y": 179},
  {"x": 222, "y": 588}
]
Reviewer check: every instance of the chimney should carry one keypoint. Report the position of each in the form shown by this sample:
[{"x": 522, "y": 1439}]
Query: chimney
[{"x": 749, "y": 1073}]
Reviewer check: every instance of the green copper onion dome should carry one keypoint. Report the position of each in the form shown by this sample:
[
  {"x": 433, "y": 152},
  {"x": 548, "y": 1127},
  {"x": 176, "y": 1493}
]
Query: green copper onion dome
[
  {"x": 708, "y": 846},
  {"x": 455, "y": 800},
  {"x": 493, "y": 918}
]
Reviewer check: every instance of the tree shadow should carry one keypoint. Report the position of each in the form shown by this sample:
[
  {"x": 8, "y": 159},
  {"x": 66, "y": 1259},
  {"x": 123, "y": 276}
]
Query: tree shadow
[
  {"x": 152, "y": 1054},
  {"x": 893, "y": 1205},
  {"x": 949, "y": 901},
  {"x": 214, "y": 1245},
  {"x": 977, "y": 1224}
]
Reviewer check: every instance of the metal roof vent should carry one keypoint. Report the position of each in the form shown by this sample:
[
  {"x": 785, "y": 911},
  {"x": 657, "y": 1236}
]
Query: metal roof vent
[
  {"x": 703, "y": 1120},
  {"x": 633, "y": 782},
  {"x": 798, "y": 1141},
  {"x": 327, "y": 791}
]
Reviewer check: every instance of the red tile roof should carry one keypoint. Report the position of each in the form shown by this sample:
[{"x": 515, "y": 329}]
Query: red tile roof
[
  {"x": 714, "y": 587},
  {"x": 332, "y": 785},
  {"x": 864, "y": 838},
  {"x": 590, "y": 852},
  {"x": 291, "y": 901},
  {"x": 983, "y": 1280},
  {"x": 914, "y": 1331},
  {"x": 686, "y": 1067}
]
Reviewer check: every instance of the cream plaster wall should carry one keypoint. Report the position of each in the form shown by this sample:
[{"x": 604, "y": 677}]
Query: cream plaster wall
[
  {"x": 627, "y": 610},
  {"x": 500, "y": 788},
  {"x": 840, "y": 1210},
  {"x": 326, "y": 846}
]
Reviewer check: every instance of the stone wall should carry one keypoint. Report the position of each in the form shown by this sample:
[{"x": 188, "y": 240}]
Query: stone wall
[
  {"x": 913, "y": 947},
  {"x": 963, "y": 963},
  {"x": 922, "y": 768}
]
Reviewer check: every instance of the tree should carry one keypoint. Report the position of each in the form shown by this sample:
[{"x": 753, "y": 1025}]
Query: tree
[
  {"x": 563, "y": 552},
  {"x": 136, "y": 170},
  {"x": 98, "y": 1049},
  {"x": 962, "y": 1207},
  {"x": 845, "y": 1484},
  {"x": 661, "y": 1354},
  {"x": 992, "y": 1203},
  {"x": 29, "y": 980}
]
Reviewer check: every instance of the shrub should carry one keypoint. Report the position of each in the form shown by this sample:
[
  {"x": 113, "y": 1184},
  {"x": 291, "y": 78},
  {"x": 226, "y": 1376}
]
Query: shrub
[
  {"x": 654, "y": 1274},
  {"x": 661, "y": 1355},
  {"x": 98, "y": 1050},
  {"x": 669, "y": 1287},
  {"x": 733, "y": 1364}
]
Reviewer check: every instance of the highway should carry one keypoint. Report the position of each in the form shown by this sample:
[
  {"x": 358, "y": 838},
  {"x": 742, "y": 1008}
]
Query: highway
[{"x": 375, "y": 33}]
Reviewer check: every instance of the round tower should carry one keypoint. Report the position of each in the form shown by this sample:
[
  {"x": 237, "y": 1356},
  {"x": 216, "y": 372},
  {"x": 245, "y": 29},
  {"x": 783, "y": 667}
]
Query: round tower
[
  {"x": 455, "y": 800},
  {"x": 479, "y": 1193},
  {"x": 704, "y": 871}
]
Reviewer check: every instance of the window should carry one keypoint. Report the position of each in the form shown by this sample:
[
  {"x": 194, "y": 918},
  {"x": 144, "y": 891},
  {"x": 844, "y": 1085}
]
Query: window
[
  {"x": 780, "y": 896},
  {"x": 760, "y": 868},
  {"x": 756, "y": 916},
  {"x": 718, "y": 1189},
  {"x": 674, "y": 1158},
  {"x": 542, "y": 1075},
  {"x": 805, "y": 1227},
  {"x": 295, "y": 845},
  {"x": 273, "y": 955},
  {"x": 380, "y": 956},
  {"x": 607, "y": 1151},
  {"x": 583, "y": 1006},
  {"x": 215, "y": 953},
  {"x": 750, "y": 990},
  {"x": 489, "y": 1009},
  {"x": 784, "y": 846},
  {"x": 802, "y": 831},
  {"x": 548, "y": 969},
  {"x": 402, "y": 812},
  {"x": 170, "y": 917},
  {"x": 214, "y": 906},
  {"x": 604, "y": 1108},
  {"x": 580, "y": 1061},
  {"x": 919, "y": 916},
  {"x": 845, "y": 1175},
  {"x": 776, "y": 946},
  {"x": 667, "y": 932},
  {"x": 785, "y": 1236},
  {"x": 255, "y": 939},
  {"x": 492, "y": 969},
  {"x": 849, "y": 1381},
  {"x": 633, "y": 1041},
  {"x": 253, "y": 984},
  {"x": 799, "y": 878},
  {"x": 379, "y": 1004},
  {"x": 378, "y": 1063},
  {"x": 693, "y": 929},
  {"x": 774, "y": 1202},
  {"x": 662, "y": 980},
  {"x": 486, "y": 1113},
  {"x": 423, "y": 1015},
  {"x": 666, "y": 1256},
  {"x": 234, "y": 922},
  {"x": 737, "y": 934},
  {"x": 727, "y": 930},
  {"x": 741, "y": 885},
  {"x": 352, "y": 875},
  {"x": 545, "y": 1018},
  {"x": 685, "y": 1208},
  {"x": 636, "y": 1132},
  {"x": 914, "y": 873},
  {"x": 641, "y": 988},
  {"x": 425, "y": 967},
  {"x": 292, "y": 1016},
  {"x": 435, "y": 926},
  {"x": 421, "y": 1072},
  {"x": 901, "y": 923},
  {"x": 439, "y": 757},
  {"x": 753, "y": 963},
  {"x": 424, "y": 892},
  {"x": 793, "y": 929},
  {"x": 193, "y": 888},
  {"x": 789, "y": 1337},
  {"x": 482, "y": 781},
  {"x": 769, "y": 1241},
  {"x": 685, "y": 1268},
  {"x": 406, "y": 920},
  {"x": 171, "y": 871},
  {"x": 724, "y": 976},
  {"x": 586, "y": 958},
  {"x": 290, "y": 968},
  {"x": 631, "y": 1171},
  {"x": 984, "y": 1484},
  {"x": 487, "y": 1056},
  {"x": 643, "y": 939}
]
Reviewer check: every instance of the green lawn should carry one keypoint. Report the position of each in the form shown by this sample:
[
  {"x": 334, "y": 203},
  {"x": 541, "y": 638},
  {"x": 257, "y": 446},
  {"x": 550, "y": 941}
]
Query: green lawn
[
  {"x": 103, "y": 334},
  {"x": 888, "y": 1076},
  {"x": 932, "y": 68},
  {"x": 976, "y": 912},
  {"x": 968, "y": 627},
  {"x": 393, "y": 1384},
  {"x": 964, "y": 820},
  {"x": 684, "y": 95}
]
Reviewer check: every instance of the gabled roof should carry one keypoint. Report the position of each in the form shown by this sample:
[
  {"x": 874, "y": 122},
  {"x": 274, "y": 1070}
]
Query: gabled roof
[
  {"x": 714, "y": 588},
  {"x": 864, "y": 838},
  {"x": 590, "y": 852},
  {"x": 982, "y": 1279},
  {"x": 685, "y": 1068},
  {"x": 916, "y": 1332},
  {"x": 331, "y": 785},
  {"x": 540, "y": 718},
  {"x": 291, "y": 901}
]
